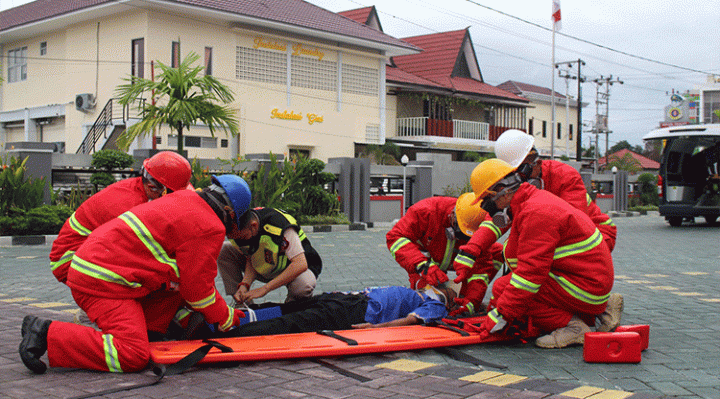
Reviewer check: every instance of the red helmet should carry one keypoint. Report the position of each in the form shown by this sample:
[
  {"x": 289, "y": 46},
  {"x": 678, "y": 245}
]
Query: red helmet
[{"x": 170, "y": 169}]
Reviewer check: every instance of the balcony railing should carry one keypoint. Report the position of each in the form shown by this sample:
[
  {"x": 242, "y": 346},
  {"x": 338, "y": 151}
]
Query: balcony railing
[{"x": 424, "y": 126}]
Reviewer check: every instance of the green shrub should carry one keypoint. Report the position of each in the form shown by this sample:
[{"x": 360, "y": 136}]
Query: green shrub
[
  {"x": 108, "y": 160},
  {"x": 46, "y": 219},
  {"x": 16, "y": 191},
  {"x": 200, "y": 177},
  {"x": 647, "y": 183}
]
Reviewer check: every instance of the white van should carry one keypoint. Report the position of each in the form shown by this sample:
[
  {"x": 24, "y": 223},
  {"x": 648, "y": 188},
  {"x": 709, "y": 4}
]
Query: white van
[{"x": 689, "y": 172}]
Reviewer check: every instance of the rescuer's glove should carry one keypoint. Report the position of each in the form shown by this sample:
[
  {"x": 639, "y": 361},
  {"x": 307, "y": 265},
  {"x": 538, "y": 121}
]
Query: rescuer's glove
[
  {"x": 495, "y": 323},
  {"x": 462, "y": 271},
  {"x": 417, "y": 282},
  {"x": 434, "y": 276},
  {"x": 466, "y": 306}
]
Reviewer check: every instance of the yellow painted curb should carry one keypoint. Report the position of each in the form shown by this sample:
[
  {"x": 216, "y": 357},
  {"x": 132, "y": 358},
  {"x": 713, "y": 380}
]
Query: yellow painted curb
[{"x": 406, "y": 365}]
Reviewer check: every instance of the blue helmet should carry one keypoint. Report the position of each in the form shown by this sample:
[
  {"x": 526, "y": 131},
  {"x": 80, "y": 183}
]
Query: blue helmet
[{"x": 237, "y": 191}]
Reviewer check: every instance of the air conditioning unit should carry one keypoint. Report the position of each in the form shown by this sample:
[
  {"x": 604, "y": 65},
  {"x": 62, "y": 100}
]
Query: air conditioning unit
[{"x": 84, "y": 102}]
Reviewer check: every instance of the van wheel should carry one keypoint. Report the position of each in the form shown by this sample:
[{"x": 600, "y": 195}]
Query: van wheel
[
  {"x": 711, "y": 219},
  {"x": 675, "y": 221}
]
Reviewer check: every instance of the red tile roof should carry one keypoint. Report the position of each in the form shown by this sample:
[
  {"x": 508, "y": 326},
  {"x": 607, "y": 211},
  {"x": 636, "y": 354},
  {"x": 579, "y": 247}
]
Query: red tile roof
[
  {"x": 360, "y": 15},
  {"x": 393, "y": 74},
  {"x": 645, "y": 163},
  {"x": 519, "y": 88},
  {"x": 439, "y": 55},
  {"x": 291, "y": 12}
]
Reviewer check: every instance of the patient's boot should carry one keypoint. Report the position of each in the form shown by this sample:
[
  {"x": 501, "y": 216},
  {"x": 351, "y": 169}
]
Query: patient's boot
[{"x": 34, "y": 332}]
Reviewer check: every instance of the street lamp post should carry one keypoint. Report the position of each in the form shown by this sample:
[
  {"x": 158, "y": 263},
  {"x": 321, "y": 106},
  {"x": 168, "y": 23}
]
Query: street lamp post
[
  {"x": 404, "y": 161},
  {"x": 615, "y": 188}
]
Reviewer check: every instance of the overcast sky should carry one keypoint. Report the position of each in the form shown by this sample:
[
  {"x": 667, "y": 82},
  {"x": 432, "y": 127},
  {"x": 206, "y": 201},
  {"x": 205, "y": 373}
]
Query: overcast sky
[{"x": 614, "y": 37}]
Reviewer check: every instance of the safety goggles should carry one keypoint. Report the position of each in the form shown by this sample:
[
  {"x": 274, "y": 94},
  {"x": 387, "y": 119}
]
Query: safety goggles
[
  {"x": 154, "y": 186},
  {"x": 502, "y": 187},
  {"x": 525, "y": 169}
]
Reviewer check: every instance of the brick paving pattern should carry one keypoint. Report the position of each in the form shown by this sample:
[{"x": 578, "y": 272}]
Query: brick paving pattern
[{"x": 668, "y": 276}]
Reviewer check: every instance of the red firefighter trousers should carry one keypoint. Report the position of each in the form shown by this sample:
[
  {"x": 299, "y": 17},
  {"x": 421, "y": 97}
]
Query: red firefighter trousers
[{"x": 125, "y": 320}]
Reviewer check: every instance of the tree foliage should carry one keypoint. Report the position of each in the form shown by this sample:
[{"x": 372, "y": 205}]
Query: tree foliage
[
  {"x": 626, "y": 162},
  {"x": 182, "y": 98}
]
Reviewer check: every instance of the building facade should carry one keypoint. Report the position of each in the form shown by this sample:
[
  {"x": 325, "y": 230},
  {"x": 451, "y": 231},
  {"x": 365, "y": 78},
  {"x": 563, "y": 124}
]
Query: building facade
[{"x": 305, "y": 79}]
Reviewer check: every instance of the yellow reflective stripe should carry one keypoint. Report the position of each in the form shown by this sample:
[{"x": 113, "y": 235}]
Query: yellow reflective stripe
[
  {"x": 608, "y": 222},
  {"x": 203, "y": 303},
  {"x": 77, "y": 226},
  {"x": 579, "y": 247},
  {"x": 490, "y": 225},
  {"x": 67, "y": 257},
  {"x": 447, "y": 259},
  {"x": 101, "y": 273},
  {"x": 495, "y": 316},
  {"x": 228, "y": 323},
  {"x": 182, "y": 314},
  {"x": 470, "y": 307},
  {"x": 498, "y": 264},
  {"x": 111, "y": 356},
  {"x": 401, "y": 242},
  {"x": 272, "y": 230},
  {"x": 524, "y": 284},
  {"x": 481, "y": 276},
  {"x": 512, "y": 263},
  {"x": 589, "y": 199},
  {"x": 465, "y": 260},
  {"x": 579, "y": 293},
  {"x": 149, "y": 241},
  {"x": 302, "y": 235}
]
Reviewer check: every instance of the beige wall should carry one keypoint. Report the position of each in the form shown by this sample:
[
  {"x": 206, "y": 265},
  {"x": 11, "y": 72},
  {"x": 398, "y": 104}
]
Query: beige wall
[
  {"x": 543, "y": 112},
  {"x": 72, "y": 67}
]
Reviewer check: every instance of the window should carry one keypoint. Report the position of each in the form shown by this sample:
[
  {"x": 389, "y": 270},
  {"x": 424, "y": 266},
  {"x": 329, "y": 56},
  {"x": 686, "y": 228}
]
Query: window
[
  {"x": 17, "y": 64},
  {"x": 360, "y": 80},
  {"x": 531, "y": 127},
  {"x": 297, "y": 153},
  {"x": 175, "y": 55},
  {"x": 224, "y": 143},
  {"x": 43, "y": 48},
  {"x": 559, "y": 130},
  {"x": 208, "y": 61},
  {"x": 313, "y": 73},
  {"x": 544, "y": 131},
  {"x": 570, "y": 134},
  {"x": 260, "y": 65},
  {"x": 193, "y": 141},
  {"x": 138, "y": 58},
  {"x": 711, "y": 103}
]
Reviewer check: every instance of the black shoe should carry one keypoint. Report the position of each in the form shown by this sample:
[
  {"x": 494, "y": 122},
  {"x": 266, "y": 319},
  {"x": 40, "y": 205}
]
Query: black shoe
[{"x": 34, "y": 343}]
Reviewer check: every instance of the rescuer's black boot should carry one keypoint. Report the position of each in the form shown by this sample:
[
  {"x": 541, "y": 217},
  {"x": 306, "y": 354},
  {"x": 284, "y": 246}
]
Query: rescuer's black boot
[{"x": 34, "y": 332}]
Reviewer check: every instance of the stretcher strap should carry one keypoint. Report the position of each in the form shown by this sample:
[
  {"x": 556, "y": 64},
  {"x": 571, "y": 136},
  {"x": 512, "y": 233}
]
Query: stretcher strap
[
  {"x": 447, "y": 326},
  {"x": 331, "y": 334},
  {"x": 162, "y": 370}
]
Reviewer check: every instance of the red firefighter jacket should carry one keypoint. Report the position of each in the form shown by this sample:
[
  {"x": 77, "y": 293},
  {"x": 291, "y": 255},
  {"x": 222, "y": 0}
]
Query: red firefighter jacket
[
  {"x": 556, "y": 247},
  {"x": 421, "y": 235},
  {"x": 565, "y": 182},
  {"x": 170, "y": 243},
  {"x": 100, "y": 208}
]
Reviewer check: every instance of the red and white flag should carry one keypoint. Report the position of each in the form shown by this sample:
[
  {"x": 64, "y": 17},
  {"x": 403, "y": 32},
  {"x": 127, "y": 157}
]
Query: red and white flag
[{"x": 556, "y": 15}]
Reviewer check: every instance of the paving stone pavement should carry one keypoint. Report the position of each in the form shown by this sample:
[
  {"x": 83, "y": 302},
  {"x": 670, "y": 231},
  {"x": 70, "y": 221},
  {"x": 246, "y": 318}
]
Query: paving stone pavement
[{"x": 668, "y": 276}]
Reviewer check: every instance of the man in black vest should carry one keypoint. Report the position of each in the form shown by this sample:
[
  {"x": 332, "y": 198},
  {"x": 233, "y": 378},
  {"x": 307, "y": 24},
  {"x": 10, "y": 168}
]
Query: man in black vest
[{"x": 273, "y": 249}]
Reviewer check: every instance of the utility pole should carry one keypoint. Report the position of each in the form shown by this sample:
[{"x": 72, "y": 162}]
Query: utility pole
[
  {"x": 601, "y": 120},
  {"x": 581, "y": 79}
]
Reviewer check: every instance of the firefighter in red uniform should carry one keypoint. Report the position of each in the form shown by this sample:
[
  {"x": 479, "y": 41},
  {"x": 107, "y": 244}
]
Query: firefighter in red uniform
[
  {"x": 425, "y": 243},
  {"x": 562, "y": 270},
  {"x": 132, "y": 274},
  {"x": 516, "y": 148},
  {"x": 164, "y": 172}
]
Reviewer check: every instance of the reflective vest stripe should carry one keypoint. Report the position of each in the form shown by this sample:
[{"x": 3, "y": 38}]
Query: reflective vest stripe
[
  {"x": 302, "y": 235},
  {"x": 497, "y": 264},
  {"x": 470, "y": 307},
  {"x": 524, "y": 284},
  {"x": 182, "y": 314},
  {"x": 589, "y": 199},
  {"x": 481, "y": 276},
  {"x": 465, "y": 260},
  {"x": 203, "y": 303},
  {"x": 101, "y": 273},
  {"x": 67, "y": 257},
  {"x": 401, "y": 242},
  {"x": 608, "y": 222},
  {"x": 228, "y": 323},
  {"x": 111, "y": 356},
  {"x": 495, "y": 316},
  {"x": 77, "y": 226},
  {"x": 579, "y": 293},
  {"x": 579, "y": 247},
  {"x": 447, "y": 259},
  {"x": 149, "y": 241},
  {"x": 490, "y": 225}
]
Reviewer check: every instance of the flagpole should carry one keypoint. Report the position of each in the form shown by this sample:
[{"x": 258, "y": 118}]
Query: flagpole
[{"x": 552, "y": 71}]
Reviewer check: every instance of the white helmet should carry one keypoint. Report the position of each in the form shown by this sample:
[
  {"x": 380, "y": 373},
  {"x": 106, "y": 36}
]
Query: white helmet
[{"x": 513, "y": 146}]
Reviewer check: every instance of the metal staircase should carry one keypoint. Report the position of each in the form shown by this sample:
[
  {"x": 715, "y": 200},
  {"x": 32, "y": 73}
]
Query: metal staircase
[{"x": 113, "y": 118}]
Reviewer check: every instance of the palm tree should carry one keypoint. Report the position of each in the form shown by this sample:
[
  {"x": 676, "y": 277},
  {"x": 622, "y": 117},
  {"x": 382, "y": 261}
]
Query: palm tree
[{"x": 182, "y": 98}]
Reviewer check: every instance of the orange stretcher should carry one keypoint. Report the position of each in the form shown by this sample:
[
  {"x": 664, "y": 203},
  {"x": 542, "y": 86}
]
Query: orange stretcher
[{"x": 328, "y": 343}]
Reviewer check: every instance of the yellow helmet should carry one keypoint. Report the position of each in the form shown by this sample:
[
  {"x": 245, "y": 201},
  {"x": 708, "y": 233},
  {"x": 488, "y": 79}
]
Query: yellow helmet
[
  {"x": 486, "y": 174},
  {"x": 468, "y": 213}
]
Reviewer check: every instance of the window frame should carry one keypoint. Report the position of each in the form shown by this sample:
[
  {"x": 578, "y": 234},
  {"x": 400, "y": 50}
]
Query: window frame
[{"x": 17, "y": 65}]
